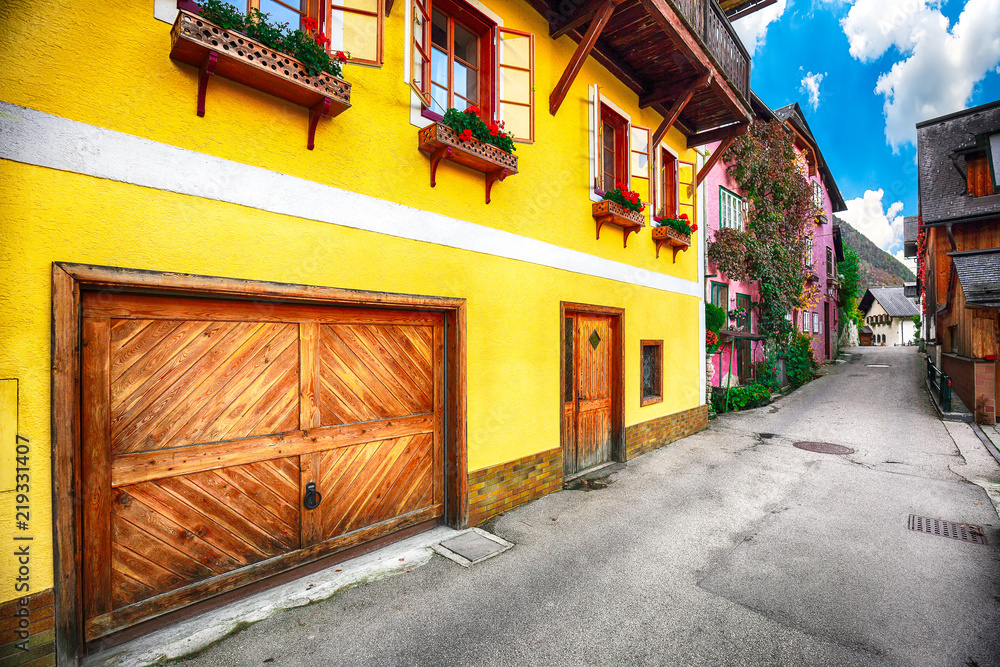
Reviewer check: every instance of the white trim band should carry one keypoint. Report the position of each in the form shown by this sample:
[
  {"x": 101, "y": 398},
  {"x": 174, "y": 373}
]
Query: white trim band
[{"x": 44, "y": 140}]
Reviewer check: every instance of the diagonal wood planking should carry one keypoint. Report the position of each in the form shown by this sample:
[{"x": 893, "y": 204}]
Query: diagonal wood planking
[
  {"x": 369, "y": 372},
  {"x": 178, "y": 383},
  {"x": 177, "y": 531},
  {"x": 376, "y": 481}
]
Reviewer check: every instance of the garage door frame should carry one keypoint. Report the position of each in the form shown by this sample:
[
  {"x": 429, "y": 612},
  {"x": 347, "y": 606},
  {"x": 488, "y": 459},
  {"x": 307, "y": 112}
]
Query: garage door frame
[{"x": 69, "y": 281}]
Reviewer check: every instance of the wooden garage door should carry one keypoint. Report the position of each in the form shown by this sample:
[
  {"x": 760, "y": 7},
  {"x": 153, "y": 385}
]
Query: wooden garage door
[{"x": 224, "y": 441}]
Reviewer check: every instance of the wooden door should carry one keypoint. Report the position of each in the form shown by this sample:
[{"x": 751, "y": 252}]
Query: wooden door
[
  {"x": 826, "y": 330},
  {"x": 744, "y": 360},
  {"x": 588, "y": 410},
  {"x": 204, "y": 422}
]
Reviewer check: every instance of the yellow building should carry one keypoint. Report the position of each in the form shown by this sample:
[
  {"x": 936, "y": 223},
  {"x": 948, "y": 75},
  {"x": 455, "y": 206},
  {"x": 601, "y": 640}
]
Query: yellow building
[{"x": 225, "y": 354}]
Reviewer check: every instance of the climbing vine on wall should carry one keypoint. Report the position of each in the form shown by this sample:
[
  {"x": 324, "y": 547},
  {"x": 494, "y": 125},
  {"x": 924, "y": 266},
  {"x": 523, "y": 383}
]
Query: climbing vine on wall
[
  {"x": 850, "y": 287},
  {"x": 771, "y": 247}
]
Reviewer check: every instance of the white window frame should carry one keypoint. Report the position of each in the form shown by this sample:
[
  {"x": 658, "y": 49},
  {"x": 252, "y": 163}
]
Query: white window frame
[
  {"x": 596, "y": 100},
  {"x": 731, "y": 209},
  {"x": 817, "y": 194},
  {"x": 816, "y": 324},
  {"x": 810, "y": 258}
]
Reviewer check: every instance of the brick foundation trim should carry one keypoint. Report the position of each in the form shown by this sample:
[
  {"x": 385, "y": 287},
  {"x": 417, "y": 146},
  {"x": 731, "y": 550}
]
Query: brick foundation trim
[
  {"x": 27, "y": 631},
  {"x": 506, "y": 485},
  {"x": 655, "y": 433}
]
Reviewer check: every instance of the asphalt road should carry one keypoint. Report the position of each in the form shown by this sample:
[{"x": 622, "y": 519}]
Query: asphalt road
[{"x": 725, "y": 548}]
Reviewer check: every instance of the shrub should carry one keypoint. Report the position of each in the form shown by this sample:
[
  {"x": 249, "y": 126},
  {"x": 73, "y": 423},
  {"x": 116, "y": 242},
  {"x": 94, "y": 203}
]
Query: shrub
[
  {"x": 800, "y": 364},
  {"x": 742, "y": 398},
  {"x": 715, "y": 319}
]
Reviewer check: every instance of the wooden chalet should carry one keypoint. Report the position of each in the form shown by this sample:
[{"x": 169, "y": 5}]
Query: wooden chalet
[{"x": 956, "y": 241}]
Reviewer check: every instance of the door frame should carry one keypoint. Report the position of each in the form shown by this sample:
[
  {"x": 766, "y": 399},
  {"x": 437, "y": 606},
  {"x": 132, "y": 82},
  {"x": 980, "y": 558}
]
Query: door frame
[
  {"x": 70, "y": 280},
  {"x": 566, "y": 308}
]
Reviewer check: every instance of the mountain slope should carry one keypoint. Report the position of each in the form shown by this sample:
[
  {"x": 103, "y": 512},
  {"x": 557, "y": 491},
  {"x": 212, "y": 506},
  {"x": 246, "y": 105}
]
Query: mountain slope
[{"x": 878, "y": 268}]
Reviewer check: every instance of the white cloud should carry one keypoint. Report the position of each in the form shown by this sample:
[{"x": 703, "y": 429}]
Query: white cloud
[
  {"x": 940, "y": 64},
  {"x": 867, "y": 214},
  {"x": 810, "y": 86},
  {"x": 752, "y": 29}
]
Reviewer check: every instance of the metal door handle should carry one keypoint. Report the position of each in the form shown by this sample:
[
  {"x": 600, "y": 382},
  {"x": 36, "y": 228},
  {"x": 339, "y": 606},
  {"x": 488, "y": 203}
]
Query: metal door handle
[{"x": 313, "y": 497}]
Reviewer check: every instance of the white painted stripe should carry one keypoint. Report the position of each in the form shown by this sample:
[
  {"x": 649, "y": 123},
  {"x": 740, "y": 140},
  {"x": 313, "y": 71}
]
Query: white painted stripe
[{"x": 41, "y": 139}]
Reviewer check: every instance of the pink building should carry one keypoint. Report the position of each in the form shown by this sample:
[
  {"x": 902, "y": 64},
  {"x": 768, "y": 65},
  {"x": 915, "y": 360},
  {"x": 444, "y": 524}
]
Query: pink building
[{"x": 724, "y": 207}]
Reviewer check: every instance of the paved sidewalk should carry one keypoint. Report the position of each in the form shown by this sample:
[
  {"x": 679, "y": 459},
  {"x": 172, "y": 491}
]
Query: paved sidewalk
[{"x": 730, "y": 547}]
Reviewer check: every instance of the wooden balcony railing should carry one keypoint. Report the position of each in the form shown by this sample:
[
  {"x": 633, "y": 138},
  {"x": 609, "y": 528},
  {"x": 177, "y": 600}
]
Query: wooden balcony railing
[{"x": 709, "y": 23}]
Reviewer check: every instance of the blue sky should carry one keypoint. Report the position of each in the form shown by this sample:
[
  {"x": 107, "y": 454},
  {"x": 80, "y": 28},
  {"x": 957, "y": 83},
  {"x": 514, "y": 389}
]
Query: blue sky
[{"x": 844, "y": 60}]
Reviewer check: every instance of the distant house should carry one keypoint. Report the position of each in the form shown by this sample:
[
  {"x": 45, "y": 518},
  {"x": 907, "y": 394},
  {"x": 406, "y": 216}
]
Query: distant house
[
  {"x": 889, "y": 314},
  {"x": 957, "y": 242},
  {"x": 865, "y": 336}
]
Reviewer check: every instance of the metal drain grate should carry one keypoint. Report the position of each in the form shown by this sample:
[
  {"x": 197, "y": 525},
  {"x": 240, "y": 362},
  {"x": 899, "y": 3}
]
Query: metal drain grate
[{"x": 964, "y": 532}]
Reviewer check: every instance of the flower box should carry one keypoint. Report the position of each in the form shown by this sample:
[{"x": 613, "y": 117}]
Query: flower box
[
  {"x": 234, "y": 56},
  {"x": 442, "y": 143},
  {"x": 607, "y": 211},
  {"x": 671, "y": 237}
]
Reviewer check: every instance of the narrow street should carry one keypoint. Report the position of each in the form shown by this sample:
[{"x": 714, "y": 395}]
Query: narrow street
[{"x": 726, "y": 548}]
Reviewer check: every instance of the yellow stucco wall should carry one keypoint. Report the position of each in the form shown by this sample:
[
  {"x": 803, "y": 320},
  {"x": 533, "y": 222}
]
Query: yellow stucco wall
[{"x": 111, "y": 69}]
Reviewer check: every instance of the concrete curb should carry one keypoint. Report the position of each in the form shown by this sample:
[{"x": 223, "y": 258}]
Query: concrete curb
[
  {"x": 987, "y": 443},
  {"x": 199, "y": 632}
]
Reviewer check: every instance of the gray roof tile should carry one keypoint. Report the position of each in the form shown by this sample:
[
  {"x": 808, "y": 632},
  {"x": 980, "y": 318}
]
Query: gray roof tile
[
  {"x": 892, "y": 299},
  {"x": 942, "y": 186},
  {"x": 979, "y": 275}
]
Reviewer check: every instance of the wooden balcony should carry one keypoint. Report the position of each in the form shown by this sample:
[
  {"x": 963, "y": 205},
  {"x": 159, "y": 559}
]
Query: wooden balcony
[{"x": 681, "y": 57}]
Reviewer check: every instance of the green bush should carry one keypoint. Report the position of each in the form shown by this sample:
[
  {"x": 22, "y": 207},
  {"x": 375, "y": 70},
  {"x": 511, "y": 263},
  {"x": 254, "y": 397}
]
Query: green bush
[
  {"x": 715, "y": 319},
  {"x": 800, "y": 364},
  {"x": 741, "y": 398}
]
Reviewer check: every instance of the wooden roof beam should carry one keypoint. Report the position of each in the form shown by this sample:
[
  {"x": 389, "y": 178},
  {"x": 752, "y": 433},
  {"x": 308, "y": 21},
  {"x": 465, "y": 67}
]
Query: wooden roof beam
[
  {"x": 710, "y": 136},
  {"x": 733, "y": 132},
  {"x": 673, "y": 26},
  {"x": 568, "y": 22},
  {"x": 749, "y": 9},
  {"x": 583, "y": 50},
  {"x": 678, "y": 106}
]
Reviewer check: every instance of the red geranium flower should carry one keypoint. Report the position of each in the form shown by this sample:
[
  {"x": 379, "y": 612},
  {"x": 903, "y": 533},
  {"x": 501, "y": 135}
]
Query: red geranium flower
[
  {"x": 339, "y": 55},
  {"x": 465, "y": 135},
  {"x": 494, "y": 129},
  {"x": 684, "y": 216},
  {"x": 694, "y": 228},
  {"x": 322, "y": 39},
  {"x": 473, "y": 110},
  {"x": 309, "y": 23}
]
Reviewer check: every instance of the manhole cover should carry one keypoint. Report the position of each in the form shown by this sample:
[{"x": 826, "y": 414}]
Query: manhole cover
[
  {"x": 964, "y": 532},
  {"x": 877, "y": 365},
  {"x": 824, "y": 447}
]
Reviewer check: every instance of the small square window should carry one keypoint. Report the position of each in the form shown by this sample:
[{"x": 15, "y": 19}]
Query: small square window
[{"x": 652, "y": 372}]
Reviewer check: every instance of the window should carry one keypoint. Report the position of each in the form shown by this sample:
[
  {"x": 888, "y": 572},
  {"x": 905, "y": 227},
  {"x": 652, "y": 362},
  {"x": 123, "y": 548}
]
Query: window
[
  {"x": 980, "y": 179},
  {"x": 290, "y": 12},
  {"x": 652, "y": 372},
  {"x": 614, "y": 154},
  {"x": 669, "y": 184},
  {"x": 461, "y": 63},
  {"x": 639, "y": 150},
  {"x": 352, "y": 26},
  {"x": 809, "y": 253},
  {"x": 461, "y": 57},
  {"x": 829, "y": 262},
  {"x": 805, "y": 322},
  {"x": 730, "y": 209},
  {"x": 720, "y": 296},
  {"x": 817, "y": 195},
  {"x": 516, "y": 93},
  {"x": 743, "y": 319},
  {"x": 815, "y": 323}
]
